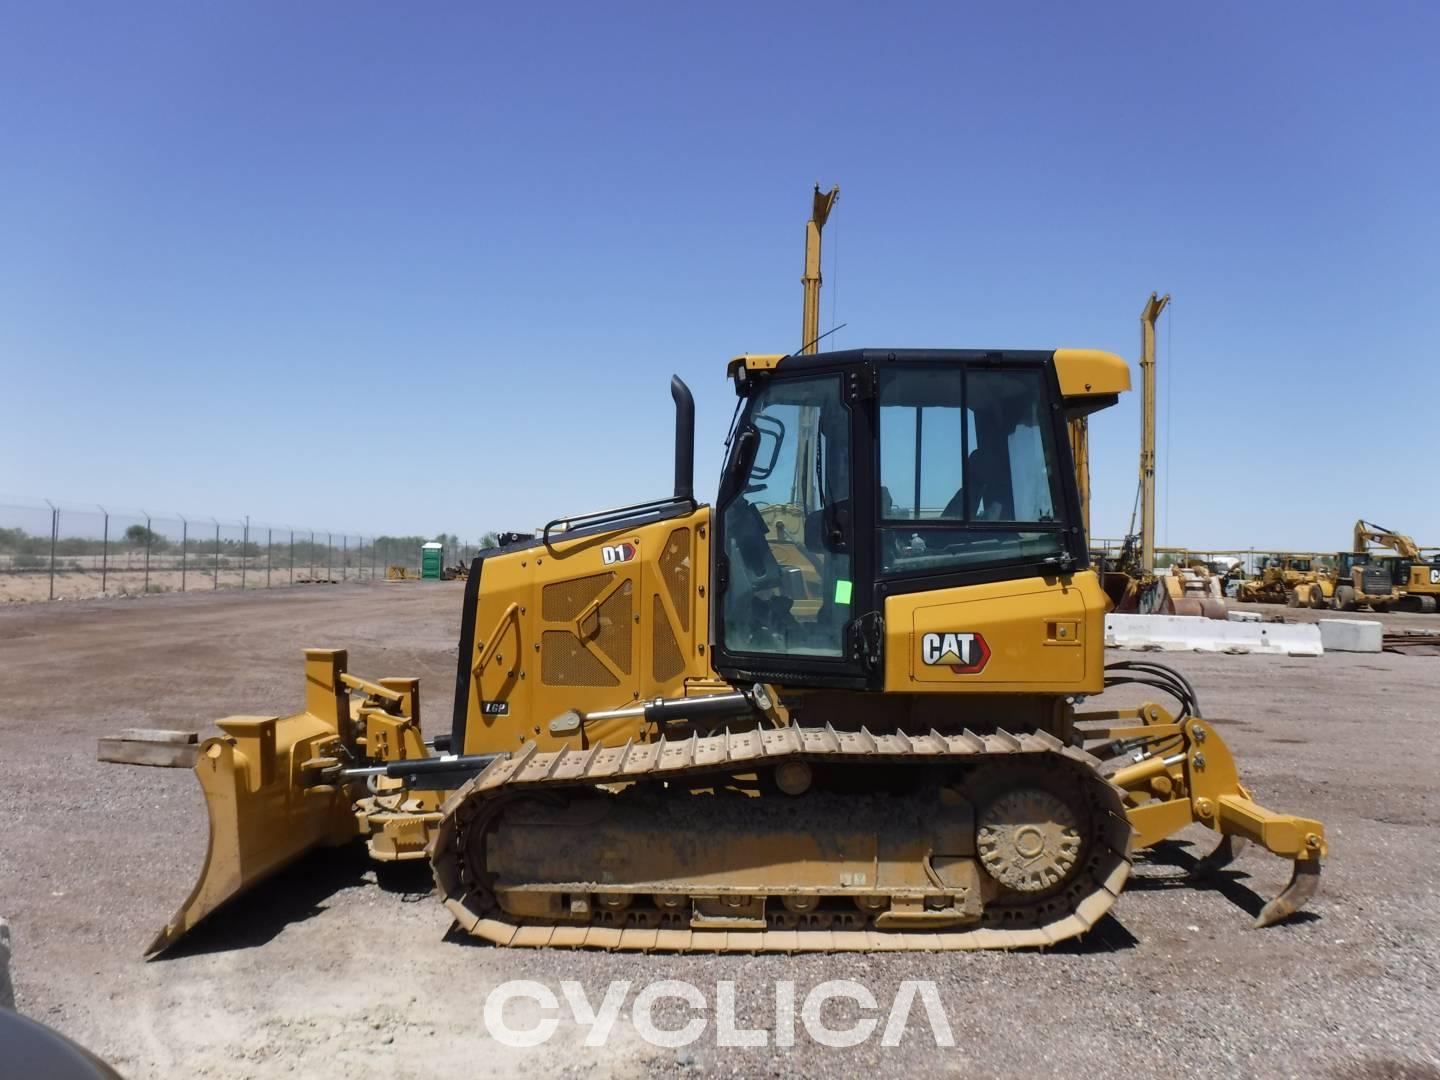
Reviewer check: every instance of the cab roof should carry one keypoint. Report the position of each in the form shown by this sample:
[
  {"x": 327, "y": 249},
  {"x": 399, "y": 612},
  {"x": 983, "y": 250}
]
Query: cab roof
[{"x": 1082, "y": 373}]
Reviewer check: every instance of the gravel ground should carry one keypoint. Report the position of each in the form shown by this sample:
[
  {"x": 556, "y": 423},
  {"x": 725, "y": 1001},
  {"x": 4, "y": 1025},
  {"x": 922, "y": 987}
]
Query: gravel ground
[{"x": 325, "y": 971}]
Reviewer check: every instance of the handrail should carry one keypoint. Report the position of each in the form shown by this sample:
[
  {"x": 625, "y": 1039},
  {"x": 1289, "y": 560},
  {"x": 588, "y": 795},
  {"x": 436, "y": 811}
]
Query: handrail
[
  {"x": 492, "y": 643},
  {"x": 616, "y": 515}
]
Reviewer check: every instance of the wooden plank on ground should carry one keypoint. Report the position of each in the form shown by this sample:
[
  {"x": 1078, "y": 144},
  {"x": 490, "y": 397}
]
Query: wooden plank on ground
[
  {"x": 165, "y": 755},
  {"x": 160, "y": 735}
]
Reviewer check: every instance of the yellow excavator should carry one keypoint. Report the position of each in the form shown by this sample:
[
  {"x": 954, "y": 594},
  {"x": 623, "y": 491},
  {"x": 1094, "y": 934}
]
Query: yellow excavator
[{"x": 682, "y": 726}]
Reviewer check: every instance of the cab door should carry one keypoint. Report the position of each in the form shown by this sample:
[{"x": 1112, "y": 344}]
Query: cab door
[{"x": 791, "y": 579}]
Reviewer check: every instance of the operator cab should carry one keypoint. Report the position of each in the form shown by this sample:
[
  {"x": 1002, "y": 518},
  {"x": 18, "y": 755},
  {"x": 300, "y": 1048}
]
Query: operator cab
[{"x": 853, "y": 476}]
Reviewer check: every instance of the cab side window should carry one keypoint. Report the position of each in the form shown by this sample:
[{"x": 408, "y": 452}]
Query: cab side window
[{"x": 967, "y": 469}]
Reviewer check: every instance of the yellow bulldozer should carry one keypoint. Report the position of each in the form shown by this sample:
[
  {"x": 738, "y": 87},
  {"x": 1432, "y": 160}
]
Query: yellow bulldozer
[
  {"x": 834, "y": 710},
  {"x": 660, "y": 742}
]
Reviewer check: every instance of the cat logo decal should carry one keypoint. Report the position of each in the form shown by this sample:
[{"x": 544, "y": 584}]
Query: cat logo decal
[{"x": 964, "y": 654}]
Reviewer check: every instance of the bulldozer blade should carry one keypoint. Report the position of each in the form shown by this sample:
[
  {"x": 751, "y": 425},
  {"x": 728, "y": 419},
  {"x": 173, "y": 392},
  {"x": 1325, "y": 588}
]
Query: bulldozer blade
[
  {"x": 1225, "y": 853},
  {"x": 262, "y": 813},
  {"x": 1303, "y": 882}
]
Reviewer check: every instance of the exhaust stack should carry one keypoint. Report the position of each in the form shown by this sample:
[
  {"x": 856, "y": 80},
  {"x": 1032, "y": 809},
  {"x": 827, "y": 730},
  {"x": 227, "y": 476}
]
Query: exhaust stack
[{"x": 684, "y": 439}]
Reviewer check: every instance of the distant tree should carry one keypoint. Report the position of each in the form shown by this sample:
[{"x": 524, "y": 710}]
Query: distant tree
[
  {"x": 140, "y": 536},
  {"x": 490, "y": 539}
]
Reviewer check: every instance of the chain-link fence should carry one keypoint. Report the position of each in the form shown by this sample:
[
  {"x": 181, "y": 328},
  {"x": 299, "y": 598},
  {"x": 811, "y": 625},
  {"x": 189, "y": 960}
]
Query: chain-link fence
[{"x": 51, "y": 550}]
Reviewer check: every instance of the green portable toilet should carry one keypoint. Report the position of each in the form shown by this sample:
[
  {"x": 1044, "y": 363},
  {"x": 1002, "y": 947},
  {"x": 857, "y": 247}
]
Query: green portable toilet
[{"x": 431, "y": 555}]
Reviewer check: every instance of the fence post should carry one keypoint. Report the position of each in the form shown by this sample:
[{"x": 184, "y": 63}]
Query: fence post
[
  {"x": 184, "y": 549},
  {"x": 344, "y": 554},
  {"x": 312, "y": 554},
  {"x": 54, "y": 534},
  {"x": 329, "y": 557},
  {"x": 215, "y": 583},
  {"x": 292, "y": 554},
  {"x": 147, "y": 551},
  {"x": 269, "y": 552},
  {"x": 104, "y": 550}
]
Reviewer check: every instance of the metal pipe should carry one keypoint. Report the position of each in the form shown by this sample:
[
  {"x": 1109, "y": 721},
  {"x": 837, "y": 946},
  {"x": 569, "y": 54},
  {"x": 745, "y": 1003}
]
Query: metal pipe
[
  {"x": 445, "y": 763},
  {"x": 54, "y": 535},
  {"x": 104, "y": 550},
  {"x": 819, "y": 214},
  {"x": 1148, "y": 315},
  {"x": 616, "y": 714}
]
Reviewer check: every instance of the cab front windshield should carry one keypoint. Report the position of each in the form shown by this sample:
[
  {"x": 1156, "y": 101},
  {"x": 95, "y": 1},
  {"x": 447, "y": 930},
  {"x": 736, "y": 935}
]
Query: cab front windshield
[{"x": 787, "y": 526}]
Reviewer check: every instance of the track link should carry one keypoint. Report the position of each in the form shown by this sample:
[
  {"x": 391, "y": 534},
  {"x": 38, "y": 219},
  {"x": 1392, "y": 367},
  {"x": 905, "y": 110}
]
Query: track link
[{"x": 1019, "y": 922}]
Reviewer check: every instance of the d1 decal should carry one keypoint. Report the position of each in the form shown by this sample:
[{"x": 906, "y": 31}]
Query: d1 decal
[
  {"x": 613, "y": 553},
  {"x": 964, "y": 654}
]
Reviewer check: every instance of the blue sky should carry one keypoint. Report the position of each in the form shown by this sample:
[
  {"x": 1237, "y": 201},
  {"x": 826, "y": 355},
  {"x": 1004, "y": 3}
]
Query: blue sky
[{"x": 413, "y": 268}]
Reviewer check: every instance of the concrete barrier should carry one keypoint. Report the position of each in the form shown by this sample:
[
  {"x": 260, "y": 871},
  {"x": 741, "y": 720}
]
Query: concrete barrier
[
  {"x": 1351, "y": 635},
  {"x": 1188, "y": 633}
]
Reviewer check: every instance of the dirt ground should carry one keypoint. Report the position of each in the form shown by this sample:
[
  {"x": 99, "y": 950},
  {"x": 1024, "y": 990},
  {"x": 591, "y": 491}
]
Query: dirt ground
[
  {"x": 324, "y": 971},
  {"x": 30, "y": 586}
]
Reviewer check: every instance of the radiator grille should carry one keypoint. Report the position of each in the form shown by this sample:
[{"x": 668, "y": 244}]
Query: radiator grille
[
  {"x": 666, "y": 659},
  {"x": 564, "y": 600},
  {"x": 1375, "y": 580},
  {"x": 675, "y": 569},
  {"x": 564, "y": 661},
  {"x": 617, "y": 618}
]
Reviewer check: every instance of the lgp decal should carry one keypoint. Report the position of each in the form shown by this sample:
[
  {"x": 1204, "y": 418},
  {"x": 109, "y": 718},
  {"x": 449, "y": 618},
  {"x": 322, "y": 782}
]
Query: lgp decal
[
  {"x": 964, "y": 654},
  {"x": 615, "y": 553}
]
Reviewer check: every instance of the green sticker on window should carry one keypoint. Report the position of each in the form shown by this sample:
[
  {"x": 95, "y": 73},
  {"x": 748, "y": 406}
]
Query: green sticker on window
[{"x": 842, "y": 591}]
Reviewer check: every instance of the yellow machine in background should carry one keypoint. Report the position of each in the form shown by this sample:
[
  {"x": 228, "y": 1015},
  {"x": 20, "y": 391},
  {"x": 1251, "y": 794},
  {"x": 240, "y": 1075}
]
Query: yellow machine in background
[
  {"x": 1281, "y": 575},
  {"x": 1366, "y": 577},
  {"x": 835, "y": 710},
  {"x": 1131, "y": 578}
]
